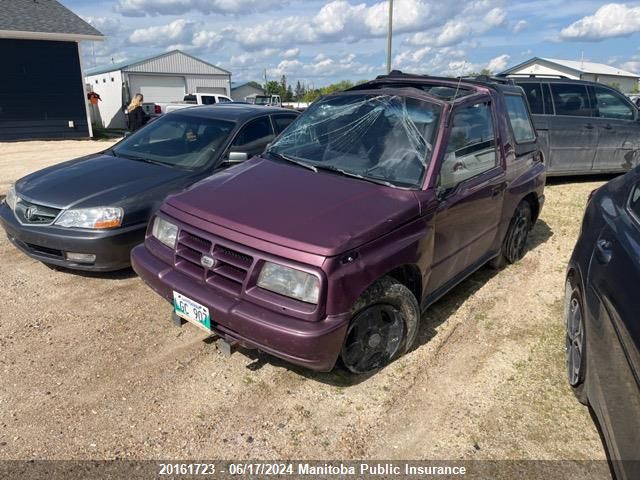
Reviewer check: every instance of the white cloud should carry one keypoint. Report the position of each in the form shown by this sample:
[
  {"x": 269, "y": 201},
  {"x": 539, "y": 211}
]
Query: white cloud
[
  {"x": 631, "y": 66},
  {"x": 519, "y": 26},
  {"x": 340, "y": 20},
  {"x": 499, "y": 63},
  {"x": 494, "y": 18},
  {"x": 109, "y": 26},
  {"x": 180, "y": 31},
  {"x": 291, "y": 53},
  {"x": 322, "y": 66},
  {"x": 140, "y": 8},
  {"x": 611, "y": 20}
]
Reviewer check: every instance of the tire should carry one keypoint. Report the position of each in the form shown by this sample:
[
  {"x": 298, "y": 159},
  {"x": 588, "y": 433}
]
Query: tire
[
  {"x": 514, "y": 245},
  {"x": 383, "y": 327},
  {"x": 575, "y": 340}
]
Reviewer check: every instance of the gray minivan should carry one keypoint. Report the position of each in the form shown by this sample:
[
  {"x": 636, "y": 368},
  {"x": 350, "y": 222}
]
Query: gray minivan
[{"x": 584, "y": 127}]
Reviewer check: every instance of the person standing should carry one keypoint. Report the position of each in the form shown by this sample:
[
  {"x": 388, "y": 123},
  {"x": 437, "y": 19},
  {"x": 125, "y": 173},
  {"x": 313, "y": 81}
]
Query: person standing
[{"x": 136, "y": 114}]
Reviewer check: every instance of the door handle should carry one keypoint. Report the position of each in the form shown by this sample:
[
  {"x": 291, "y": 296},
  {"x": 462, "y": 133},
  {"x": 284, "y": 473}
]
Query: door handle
[
  {"x": 589, "y": 126},
  {"x": 497, "y": 190},
  {"x": 603, "y": 251}
]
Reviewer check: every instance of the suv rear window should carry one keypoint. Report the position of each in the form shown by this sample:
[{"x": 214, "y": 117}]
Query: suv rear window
[
  {"x": 519, "y": 118},
  {"x": 571, "y": 99}
]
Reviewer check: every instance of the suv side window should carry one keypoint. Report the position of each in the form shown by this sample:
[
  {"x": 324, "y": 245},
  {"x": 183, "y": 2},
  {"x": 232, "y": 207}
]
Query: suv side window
[
  {"x": 610, "y": 105},
  {"x": 519, "y": 118},
  {"x": 253, "y": 137},
  {"x": 471, "y": 148},
  {"x": 282, "y": 121},
  {"x": 571, "y": 99},
  {"x": 208, "y": 99}
]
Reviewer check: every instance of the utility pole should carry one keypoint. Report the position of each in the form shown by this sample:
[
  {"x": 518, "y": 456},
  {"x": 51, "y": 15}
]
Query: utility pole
[{"x": 389, "y": 35}]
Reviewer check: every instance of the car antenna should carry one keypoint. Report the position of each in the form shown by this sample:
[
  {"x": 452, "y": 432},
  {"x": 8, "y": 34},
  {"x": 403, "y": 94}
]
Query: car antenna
[{"x": 455, "y": 95}]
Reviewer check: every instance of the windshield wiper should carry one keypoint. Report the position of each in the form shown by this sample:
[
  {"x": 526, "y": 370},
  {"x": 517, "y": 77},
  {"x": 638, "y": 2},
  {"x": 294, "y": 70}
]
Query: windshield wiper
[
  {"x": 144, "y": 159},
  {"x": 289, "y": 159},
  {"x": 346, "y": 173}
]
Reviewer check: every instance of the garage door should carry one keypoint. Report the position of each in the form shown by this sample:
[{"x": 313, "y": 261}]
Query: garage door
[
  {"x": 219, "y": 90},
  {"x": 157, "y": 88}
]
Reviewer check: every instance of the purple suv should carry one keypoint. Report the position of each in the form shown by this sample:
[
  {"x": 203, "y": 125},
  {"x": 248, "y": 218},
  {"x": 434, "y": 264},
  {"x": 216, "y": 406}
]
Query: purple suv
[{"x": 367, "y": 209}]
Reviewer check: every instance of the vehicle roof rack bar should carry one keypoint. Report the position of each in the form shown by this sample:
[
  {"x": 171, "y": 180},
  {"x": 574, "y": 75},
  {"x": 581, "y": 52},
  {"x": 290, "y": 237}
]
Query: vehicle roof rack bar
[{"x": 532, "y": 75}]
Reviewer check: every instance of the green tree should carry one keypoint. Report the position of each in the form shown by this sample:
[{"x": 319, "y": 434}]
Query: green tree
[
  {"x": 615, "y": 85},
  {"x": 289, "y": 94},
  {"x": 299, "y": 92},
  {"x": 273, "y": 88},
  {"x": 635, "y": 88}
]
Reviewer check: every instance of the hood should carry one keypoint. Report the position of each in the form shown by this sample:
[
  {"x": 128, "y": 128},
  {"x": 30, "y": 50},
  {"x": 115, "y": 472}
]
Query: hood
[
  {"x": 93, "y": 180},
  {"x": 321, "y": 213}
]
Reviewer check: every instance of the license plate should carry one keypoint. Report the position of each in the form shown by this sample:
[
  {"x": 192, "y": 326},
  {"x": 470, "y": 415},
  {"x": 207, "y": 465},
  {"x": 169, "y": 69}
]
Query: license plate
[{"x": 192, "y": 311}]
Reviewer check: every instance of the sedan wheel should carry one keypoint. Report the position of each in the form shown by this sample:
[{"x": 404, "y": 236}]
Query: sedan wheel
[
  {"x": 575, "y": 339},
  {"x": 574, "y": 342}
]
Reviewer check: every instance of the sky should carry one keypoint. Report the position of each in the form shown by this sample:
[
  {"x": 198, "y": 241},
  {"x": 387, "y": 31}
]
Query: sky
[{"x": 321, "y": 42}]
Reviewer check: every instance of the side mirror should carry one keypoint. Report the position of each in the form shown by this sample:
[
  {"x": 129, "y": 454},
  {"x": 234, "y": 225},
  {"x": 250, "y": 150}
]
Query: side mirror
[
  {"x": 237, "y": 157},
  {"x": 126, "y": 134}
]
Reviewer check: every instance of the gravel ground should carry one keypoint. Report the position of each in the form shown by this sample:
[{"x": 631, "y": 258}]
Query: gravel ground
[{"x": 92, "y": 368}]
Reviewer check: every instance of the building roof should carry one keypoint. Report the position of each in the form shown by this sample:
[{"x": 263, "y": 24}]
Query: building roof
[
  {"x": 235, "y": 85},
  {"x": 125, "y": 65},
  {"x": 40, "y": 19},
  {"x": 578, "y": 66}
]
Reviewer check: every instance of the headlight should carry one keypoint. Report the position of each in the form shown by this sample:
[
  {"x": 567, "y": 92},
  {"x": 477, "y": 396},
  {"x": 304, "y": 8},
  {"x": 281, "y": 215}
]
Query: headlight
[
  {"x": 101, "y": 217},
  {"x": 11, "y": 199},
  {"x": 165, "y": 231},
  {"x": 289, "y": 282}
]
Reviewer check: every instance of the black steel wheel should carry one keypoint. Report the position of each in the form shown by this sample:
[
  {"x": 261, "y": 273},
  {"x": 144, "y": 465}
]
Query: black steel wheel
[
  {"x": 575, "y": 340},
  {"x": 373, "y": 339},
  {"x": 384, "y": 326},
  {"x": 515, "y": 240}
]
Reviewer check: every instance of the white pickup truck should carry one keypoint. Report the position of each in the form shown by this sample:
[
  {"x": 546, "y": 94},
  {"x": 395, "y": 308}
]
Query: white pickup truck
[{"x": 154, "y": 109}]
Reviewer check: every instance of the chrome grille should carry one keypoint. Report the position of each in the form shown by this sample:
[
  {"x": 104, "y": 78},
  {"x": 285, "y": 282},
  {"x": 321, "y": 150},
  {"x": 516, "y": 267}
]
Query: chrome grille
[
  {"x": 229, "y": 271},
  {"x": 33, "y": 214}
]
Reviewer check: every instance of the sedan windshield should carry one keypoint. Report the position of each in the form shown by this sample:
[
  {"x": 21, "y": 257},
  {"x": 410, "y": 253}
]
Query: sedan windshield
[
  {"x": 381, "y": 138},
  {"x": 182, "y": 141}
]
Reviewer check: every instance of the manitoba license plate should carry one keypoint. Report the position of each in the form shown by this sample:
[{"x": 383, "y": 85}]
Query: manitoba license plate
[{"x": 192, "y": 311}]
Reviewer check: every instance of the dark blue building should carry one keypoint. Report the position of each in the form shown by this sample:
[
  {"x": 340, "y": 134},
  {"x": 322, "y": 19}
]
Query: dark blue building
[{"x": 42, "y": 94}]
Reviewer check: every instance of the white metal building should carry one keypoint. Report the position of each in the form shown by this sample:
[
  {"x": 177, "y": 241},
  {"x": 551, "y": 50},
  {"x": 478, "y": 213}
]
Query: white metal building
[
  {"x": 162, "y": 78},
  {"x": 577, "y": 70}
]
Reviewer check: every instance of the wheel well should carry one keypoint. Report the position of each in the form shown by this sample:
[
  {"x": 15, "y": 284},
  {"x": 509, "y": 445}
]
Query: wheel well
[
  {"x": 410, "y": 277},
  {"x": 532, "y": 198}
]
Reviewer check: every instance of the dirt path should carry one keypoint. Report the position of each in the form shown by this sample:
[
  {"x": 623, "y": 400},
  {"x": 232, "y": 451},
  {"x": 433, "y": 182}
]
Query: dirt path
[{"x": 91, "y": 367}]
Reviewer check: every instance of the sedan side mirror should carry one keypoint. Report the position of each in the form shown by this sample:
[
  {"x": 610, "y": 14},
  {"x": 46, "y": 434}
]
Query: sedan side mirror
[{"x": 237, "y": 157}]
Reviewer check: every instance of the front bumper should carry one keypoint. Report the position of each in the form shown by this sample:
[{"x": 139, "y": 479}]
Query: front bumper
[
  {"x": 48, "y": 244},
  {"x": 313, "y": 345}
]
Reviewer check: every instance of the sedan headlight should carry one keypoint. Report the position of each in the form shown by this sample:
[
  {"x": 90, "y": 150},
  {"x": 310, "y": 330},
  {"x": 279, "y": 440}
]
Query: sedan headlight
[
  {"x": 12, "y": 198},
  {"x": 165, "y": 231},
  {"x": 98, "y": 218},
  {"x": 289, "y": 282}
]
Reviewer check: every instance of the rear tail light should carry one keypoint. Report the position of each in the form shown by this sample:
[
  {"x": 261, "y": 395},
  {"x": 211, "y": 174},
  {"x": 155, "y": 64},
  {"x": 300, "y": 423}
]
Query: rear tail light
[{"x": 157, "y": 109}]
